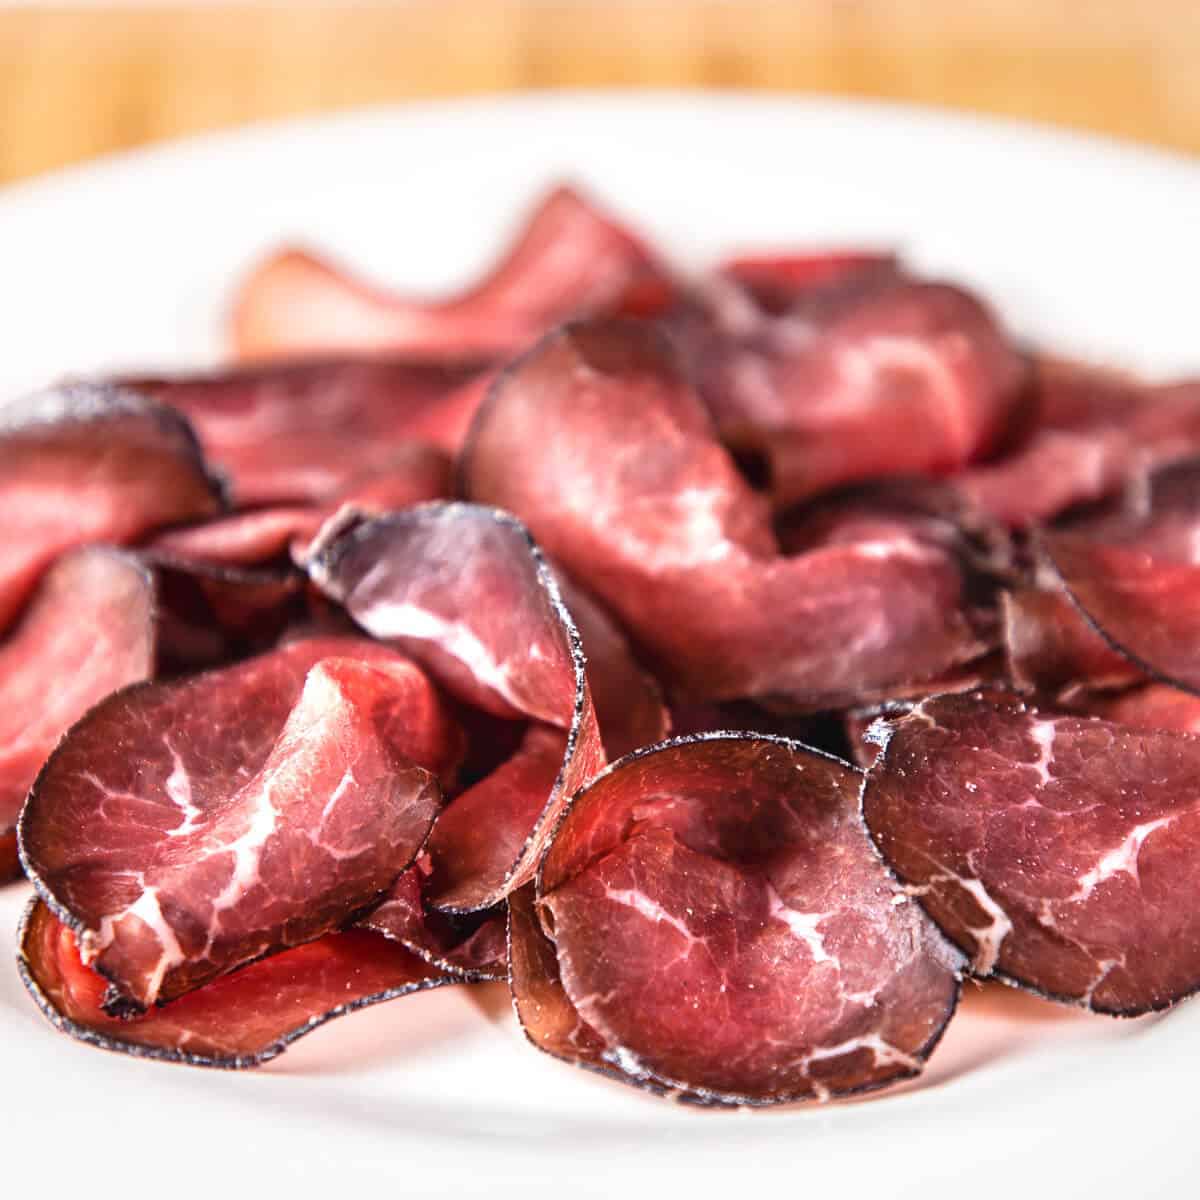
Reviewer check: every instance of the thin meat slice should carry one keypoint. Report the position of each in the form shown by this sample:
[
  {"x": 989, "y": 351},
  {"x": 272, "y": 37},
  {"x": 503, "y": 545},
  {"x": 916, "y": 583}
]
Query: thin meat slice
[
  {"x": 465, "y": 592},
  {"x": 473, "y": 948},
  {"x": 185, "y": 829},
  {"x": 241, "y": 1020},
  {"x": 301, "y": 432},
  {"x": 712, "y": 922},
  {"x": 90, "y": 463},
  {"x": 1061, "y": 853},
  {"x": 907, "y": 378},
  {"x": 597, "y": 442},
  {"x": 569, "y": 259},
  {"x": 280, "y": 532},
  {"x": 88, "y": 631},
  {"x": 1051, "y": 648},
  {"x": 1134, "y": 572},
  {"x": 1090, "y": 432}
]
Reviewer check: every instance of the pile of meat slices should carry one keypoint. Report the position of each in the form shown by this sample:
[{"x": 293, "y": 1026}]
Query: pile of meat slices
[{"x": 354, "y": 671}]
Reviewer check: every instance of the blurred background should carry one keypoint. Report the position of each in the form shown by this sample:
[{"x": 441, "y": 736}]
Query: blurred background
[{"x": 80, "y": 81}]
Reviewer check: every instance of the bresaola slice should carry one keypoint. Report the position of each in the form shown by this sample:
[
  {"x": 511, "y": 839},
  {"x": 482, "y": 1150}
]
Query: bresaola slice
[
  {"x": 465, "y": 592},
  {"x": 90, "y": 463},
  {"x": 833, "y": 398},
  {"x": 569, "y": 259},
  {"x": 240, "y": 1020},
  {"x": 301, "y": 432},
  {"x": 1061, "y": 853},
  {"x": 640, "y": 503},
  {"x": 88, "y": 631},
  {"x": 1134, "y": 572},
  {"x": 185, "y": 829},
  {"x": 712, "y": 923}
]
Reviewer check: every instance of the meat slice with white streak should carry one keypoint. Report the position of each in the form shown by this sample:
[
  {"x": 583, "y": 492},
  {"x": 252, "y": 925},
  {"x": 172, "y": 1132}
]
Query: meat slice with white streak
[
  {"x": 1061, "y": 853},
  {"x": 465, "y": 592},
  {"x": 596, "y": 440},
  {"x": 712, "y": 922},
  {"x": 185, "y": 829},
  {"x": 88, "y": 631}
]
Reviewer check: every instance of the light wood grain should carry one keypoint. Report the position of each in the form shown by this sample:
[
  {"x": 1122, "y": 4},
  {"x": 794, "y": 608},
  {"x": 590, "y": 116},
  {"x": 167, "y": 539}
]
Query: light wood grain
[{"x": 79, "y": 82}]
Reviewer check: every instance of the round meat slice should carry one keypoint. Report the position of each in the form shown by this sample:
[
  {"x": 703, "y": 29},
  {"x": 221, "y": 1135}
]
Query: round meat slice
[
  {"x": 714, "y": 923},
  {"x": 185, "y": 829},
  {"x": 1061, "y": 853}
]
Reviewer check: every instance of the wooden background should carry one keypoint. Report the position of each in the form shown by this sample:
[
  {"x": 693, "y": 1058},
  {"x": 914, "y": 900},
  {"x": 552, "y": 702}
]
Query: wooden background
[{"x": 76, "y": 82}]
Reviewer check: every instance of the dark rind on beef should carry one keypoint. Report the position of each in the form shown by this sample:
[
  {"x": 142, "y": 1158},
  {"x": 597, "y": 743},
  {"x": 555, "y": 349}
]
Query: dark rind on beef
[
  {"x": 590, "y": 1055},
  {"x": 93, "y": 1037},
  {"x": 326, "y": 560},
  {"x": 881, "y": 733}
]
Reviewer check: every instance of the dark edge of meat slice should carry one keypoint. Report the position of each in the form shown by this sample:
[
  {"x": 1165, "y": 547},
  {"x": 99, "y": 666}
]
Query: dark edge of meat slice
[
  {"x": 880, "y": 733},
  {"x": 1046, "y": 557},
  {"x": 700, "y": 1096},
  {"x": 351, "y": 525},
  {"x": 238, "y": 1062},
  {"x": 83, "y": 401}
]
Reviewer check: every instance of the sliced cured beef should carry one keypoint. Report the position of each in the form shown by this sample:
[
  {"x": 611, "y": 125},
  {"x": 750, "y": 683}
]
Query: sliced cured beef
[
  {"x": 465, "y": 592},
  {"x": 1091, "y": 431},
  {"x": 473, "y": 947},
  {"x": 569, "y": 259},
  {"x": 302, "y": 432},
  {"x": 185, "y": 829},
  {"x": 239, "y": 1020},
  {"x": 88, "y": 631},
  {"x": 712, "y": 922},
  {"x": 90, "y": 463},
  {"x": 1061, "y": 853},
  {"x": 906, "y": 379},
  {"x": 1134, "y": 572},
  {"x": 1051, "y": 648},
  {"x": 640, "y": 503}
]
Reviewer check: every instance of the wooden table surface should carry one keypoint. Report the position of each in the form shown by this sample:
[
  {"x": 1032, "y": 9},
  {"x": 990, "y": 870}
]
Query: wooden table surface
[{"x": 76, "y": 82}]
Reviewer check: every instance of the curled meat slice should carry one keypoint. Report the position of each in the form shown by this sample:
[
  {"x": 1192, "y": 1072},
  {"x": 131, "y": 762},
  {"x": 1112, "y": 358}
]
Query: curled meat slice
[
  {"x": 88, "y": 631},
  {"x": 569, "y": 259},
  {"x": 1061, "y": 853},
  {"x": 1134, "y": 572},
  {"x": 713, "y": 922},
  {"x": 464, "y": 591},
  {"x": 779, "y": 282},
  {"x": 901, "y": 379},
  {"x": 90, "y": 463},
  {"x": 597, "y": 442},
  {"x": 240, "y": 1020},
  {"x": 301, "y": 432},
  {"x": 185, "y": 829}
]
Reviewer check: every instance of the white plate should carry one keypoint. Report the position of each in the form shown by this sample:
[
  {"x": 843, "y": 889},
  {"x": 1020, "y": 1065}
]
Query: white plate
[{"x": 1085, "y": 244}]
